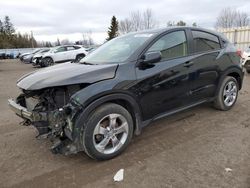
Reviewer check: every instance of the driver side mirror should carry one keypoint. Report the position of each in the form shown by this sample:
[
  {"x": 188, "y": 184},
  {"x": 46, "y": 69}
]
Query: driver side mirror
[{"x": 151, "y": 57}]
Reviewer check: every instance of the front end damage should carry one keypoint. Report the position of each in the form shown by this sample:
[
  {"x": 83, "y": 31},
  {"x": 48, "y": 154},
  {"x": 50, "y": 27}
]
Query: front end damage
[{"x": 52, "y": 114}]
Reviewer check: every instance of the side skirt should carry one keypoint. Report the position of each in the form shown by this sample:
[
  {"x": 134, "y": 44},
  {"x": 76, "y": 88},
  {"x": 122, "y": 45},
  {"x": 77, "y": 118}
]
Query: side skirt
[{"x": 163, "y": 115}]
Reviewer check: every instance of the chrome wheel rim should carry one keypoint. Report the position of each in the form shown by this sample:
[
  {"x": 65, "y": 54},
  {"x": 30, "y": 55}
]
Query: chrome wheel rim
[
  {"x": 110, "y": 134},
  {"x": 230, "y": 93}
]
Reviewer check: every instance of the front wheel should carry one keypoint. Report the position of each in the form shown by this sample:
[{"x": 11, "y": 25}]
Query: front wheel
[
  {"x": 108, "y": 131},
  {"x": 47, "y": 61},
  {"x": 227, "y": 94}
]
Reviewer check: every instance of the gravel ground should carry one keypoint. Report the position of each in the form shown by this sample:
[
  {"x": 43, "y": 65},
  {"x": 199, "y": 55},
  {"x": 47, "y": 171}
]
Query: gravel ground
[{"x": 189, "y": 149}]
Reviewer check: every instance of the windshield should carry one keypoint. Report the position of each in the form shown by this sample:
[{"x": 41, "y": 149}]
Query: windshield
[
  {"x": 117, "y": 50},
  {"x": 35, "y": 51}
]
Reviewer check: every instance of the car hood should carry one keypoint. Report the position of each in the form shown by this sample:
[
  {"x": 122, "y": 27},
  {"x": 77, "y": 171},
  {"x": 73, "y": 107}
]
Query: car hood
[
  {"x": 66, "y": 74},
  {"x": 38, "y": 54}
]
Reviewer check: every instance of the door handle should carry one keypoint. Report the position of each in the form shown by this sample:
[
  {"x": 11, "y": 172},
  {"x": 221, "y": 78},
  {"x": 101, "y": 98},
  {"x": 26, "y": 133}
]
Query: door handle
[{"x": 188, "y": 64}]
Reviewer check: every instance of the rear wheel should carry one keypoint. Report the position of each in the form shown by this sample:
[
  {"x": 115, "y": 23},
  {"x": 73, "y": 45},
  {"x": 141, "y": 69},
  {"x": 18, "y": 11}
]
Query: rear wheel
[
  {"x": 108, "y": 131},
  {"x": 228, "y": 94},
  {"x": 79, "y": 57}
]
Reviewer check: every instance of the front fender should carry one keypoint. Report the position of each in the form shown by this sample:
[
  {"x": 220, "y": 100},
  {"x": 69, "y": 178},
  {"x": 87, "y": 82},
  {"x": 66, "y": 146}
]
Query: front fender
[{"x": 95, "y": 95}]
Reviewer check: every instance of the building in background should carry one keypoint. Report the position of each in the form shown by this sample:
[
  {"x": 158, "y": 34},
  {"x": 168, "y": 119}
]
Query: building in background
[{"x": 240, "y": 36}]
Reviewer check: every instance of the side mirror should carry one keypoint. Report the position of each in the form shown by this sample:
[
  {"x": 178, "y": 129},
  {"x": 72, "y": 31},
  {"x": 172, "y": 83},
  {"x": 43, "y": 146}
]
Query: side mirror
[{"x": 152, "y": 57}]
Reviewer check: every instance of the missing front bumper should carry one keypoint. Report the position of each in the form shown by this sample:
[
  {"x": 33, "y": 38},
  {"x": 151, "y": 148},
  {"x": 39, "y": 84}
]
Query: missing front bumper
[{"x": 25, "y": 114}]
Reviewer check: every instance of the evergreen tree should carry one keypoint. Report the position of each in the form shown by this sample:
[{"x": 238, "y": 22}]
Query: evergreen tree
[
  {"x": 1, "y": 27},
  {"x": 8, "y": 26},
  {"x": 113, "y": 29}
]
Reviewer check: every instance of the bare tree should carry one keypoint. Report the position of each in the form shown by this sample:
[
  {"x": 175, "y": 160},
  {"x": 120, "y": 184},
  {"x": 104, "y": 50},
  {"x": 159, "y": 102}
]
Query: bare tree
[
  {"x": 138, "y": 21},
  {"x": 65, "y": 42},
  {"x": 125, "y": 26},
  {"x": 87, "y": 38},
  {"x": 229, "y": 18},
  {"x": 148, "y": 19},
  {"x": 241, "y": 19}
]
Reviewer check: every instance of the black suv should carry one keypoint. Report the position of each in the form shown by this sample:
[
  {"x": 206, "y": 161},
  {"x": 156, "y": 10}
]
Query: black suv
[{"x": 98, "y": 104}]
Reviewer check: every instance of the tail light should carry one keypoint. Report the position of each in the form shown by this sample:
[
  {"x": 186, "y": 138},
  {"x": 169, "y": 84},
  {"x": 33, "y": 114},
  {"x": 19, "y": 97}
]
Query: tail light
[{"x": 239, "y": 53}]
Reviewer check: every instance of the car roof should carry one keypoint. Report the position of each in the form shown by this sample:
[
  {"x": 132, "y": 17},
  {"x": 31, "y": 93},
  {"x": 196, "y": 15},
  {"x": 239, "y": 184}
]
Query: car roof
[{"x": 162, "y": 30}]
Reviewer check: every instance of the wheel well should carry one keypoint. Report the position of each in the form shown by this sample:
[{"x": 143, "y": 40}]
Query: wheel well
[
  {"x": 125, "y": 104},
  {"x": 80, "y": 54},
  {"x": 237, "y": 77}
]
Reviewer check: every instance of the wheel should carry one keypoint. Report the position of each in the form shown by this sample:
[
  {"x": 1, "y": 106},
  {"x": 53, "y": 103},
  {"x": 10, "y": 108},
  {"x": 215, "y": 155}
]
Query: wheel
[
  {"x": 47, "y": 61},
  {"x": 227, "y": 95},
  {"x": 248, "y": 70},
  {"x": 79, "y": 57},
  {"x": 108, "y": 131}
]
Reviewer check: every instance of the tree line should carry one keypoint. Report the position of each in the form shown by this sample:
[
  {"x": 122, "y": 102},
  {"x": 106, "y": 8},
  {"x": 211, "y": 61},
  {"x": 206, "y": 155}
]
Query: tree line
[
  {"x": 137, "y": 21},
  {"x": 10, "y": 39}
]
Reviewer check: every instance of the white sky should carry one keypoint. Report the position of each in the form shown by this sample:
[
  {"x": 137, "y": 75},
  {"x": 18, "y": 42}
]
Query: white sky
[{"x": 52, "y": 19}]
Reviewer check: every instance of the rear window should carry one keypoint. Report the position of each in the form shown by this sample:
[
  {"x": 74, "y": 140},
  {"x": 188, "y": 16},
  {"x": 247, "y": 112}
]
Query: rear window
[{"x": 205, "y": 41}]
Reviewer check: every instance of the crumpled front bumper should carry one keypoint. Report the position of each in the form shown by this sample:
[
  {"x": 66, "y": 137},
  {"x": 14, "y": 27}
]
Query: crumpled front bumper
[{"x": 24, "y": 113}]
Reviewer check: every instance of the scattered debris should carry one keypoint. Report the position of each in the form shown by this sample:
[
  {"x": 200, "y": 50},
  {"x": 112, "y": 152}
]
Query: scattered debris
[
  {"x": 228, "y": 170},
  {"x": 119, "y": 175}
]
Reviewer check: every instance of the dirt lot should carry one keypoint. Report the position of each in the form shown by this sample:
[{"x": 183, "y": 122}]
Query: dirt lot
[{"x": 189, "y": 149}]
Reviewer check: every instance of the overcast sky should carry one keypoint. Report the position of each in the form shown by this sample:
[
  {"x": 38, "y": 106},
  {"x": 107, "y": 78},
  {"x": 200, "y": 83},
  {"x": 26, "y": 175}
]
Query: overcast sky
[{"x": 52, "y": 19}]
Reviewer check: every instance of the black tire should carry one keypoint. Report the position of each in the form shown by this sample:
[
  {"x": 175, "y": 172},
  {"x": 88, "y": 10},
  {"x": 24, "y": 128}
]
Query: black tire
[
  {"x": 79, "y": 57},
  {"x": 219, "y": 102},
  {"x": 47, "y": 61},
  {"x": 248, "y": 70},
  {"x": 91, "y": 124}
]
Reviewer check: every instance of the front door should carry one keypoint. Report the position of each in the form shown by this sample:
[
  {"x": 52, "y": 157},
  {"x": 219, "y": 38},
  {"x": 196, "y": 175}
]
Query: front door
[{"x": 165, "y": 85}]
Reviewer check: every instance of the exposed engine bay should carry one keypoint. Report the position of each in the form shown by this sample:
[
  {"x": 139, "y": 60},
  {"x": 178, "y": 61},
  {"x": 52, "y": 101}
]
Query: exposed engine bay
[{"x": 51, "y": 115}]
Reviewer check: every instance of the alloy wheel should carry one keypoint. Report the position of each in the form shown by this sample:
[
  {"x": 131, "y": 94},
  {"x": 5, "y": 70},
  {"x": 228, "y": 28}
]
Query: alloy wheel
[
  {"x": 230, "y": 93},
  {"x": 110, "y": 134}
]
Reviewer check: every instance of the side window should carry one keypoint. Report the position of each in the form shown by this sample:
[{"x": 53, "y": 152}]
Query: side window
[
  {"x": 61, "y": 49},
  {"x": 172, "y": 45},
  {"x": 69, "y": 48},
  {"x": 205, "y": 42}
]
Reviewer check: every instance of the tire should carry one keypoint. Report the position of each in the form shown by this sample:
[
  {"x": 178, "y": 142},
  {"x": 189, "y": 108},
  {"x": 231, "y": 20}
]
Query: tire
[
  {"x": 248, "y": 70},
  {"x": 47, "y": 61},
  {"x": 104, "y": 143},
  {"x": 227, "y": 97},
  {"x": 79, "y": 57}
]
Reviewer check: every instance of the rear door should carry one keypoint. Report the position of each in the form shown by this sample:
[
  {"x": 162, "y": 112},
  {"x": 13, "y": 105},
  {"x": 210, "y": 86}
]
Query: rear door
[
  {"x": 204, "y": 66},
  {"x": 71, "y": 53}
]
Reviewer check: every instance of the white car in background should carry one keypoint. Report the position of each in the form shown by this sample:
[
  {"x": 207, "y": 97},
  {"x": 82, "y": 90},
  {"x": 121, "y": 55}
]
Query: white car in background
[
  {"x": 63, "y": 54},
  {"x": 246, "y": 59},
  {"x": 38, "y": 56}
]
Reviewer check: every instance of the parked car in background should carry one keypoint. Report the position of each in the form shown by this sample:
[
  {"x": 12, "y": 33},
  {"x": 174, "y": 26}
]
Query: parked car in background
[
  {"x": 21, "y": 56},
  {"x": 63, "y": 54},
  {"x": 246, "y": 59},
  {"x": 38, "y": 56},
  {"x": 2, "y": 55},
  {"x": 28, "y": 58},
  {"x": 98, "y": 104}
]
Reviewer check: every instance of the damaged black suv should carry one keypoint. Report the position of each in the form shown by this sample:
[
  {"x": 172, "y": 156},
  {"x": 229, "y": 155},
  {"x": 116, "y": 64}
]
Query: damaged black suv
[{"x": 98, "y": 104}]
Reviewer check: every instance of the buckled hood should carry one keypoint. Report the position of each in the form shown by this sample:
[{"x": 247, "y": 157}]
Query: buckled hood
[{"x": 66, "y": 74}]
